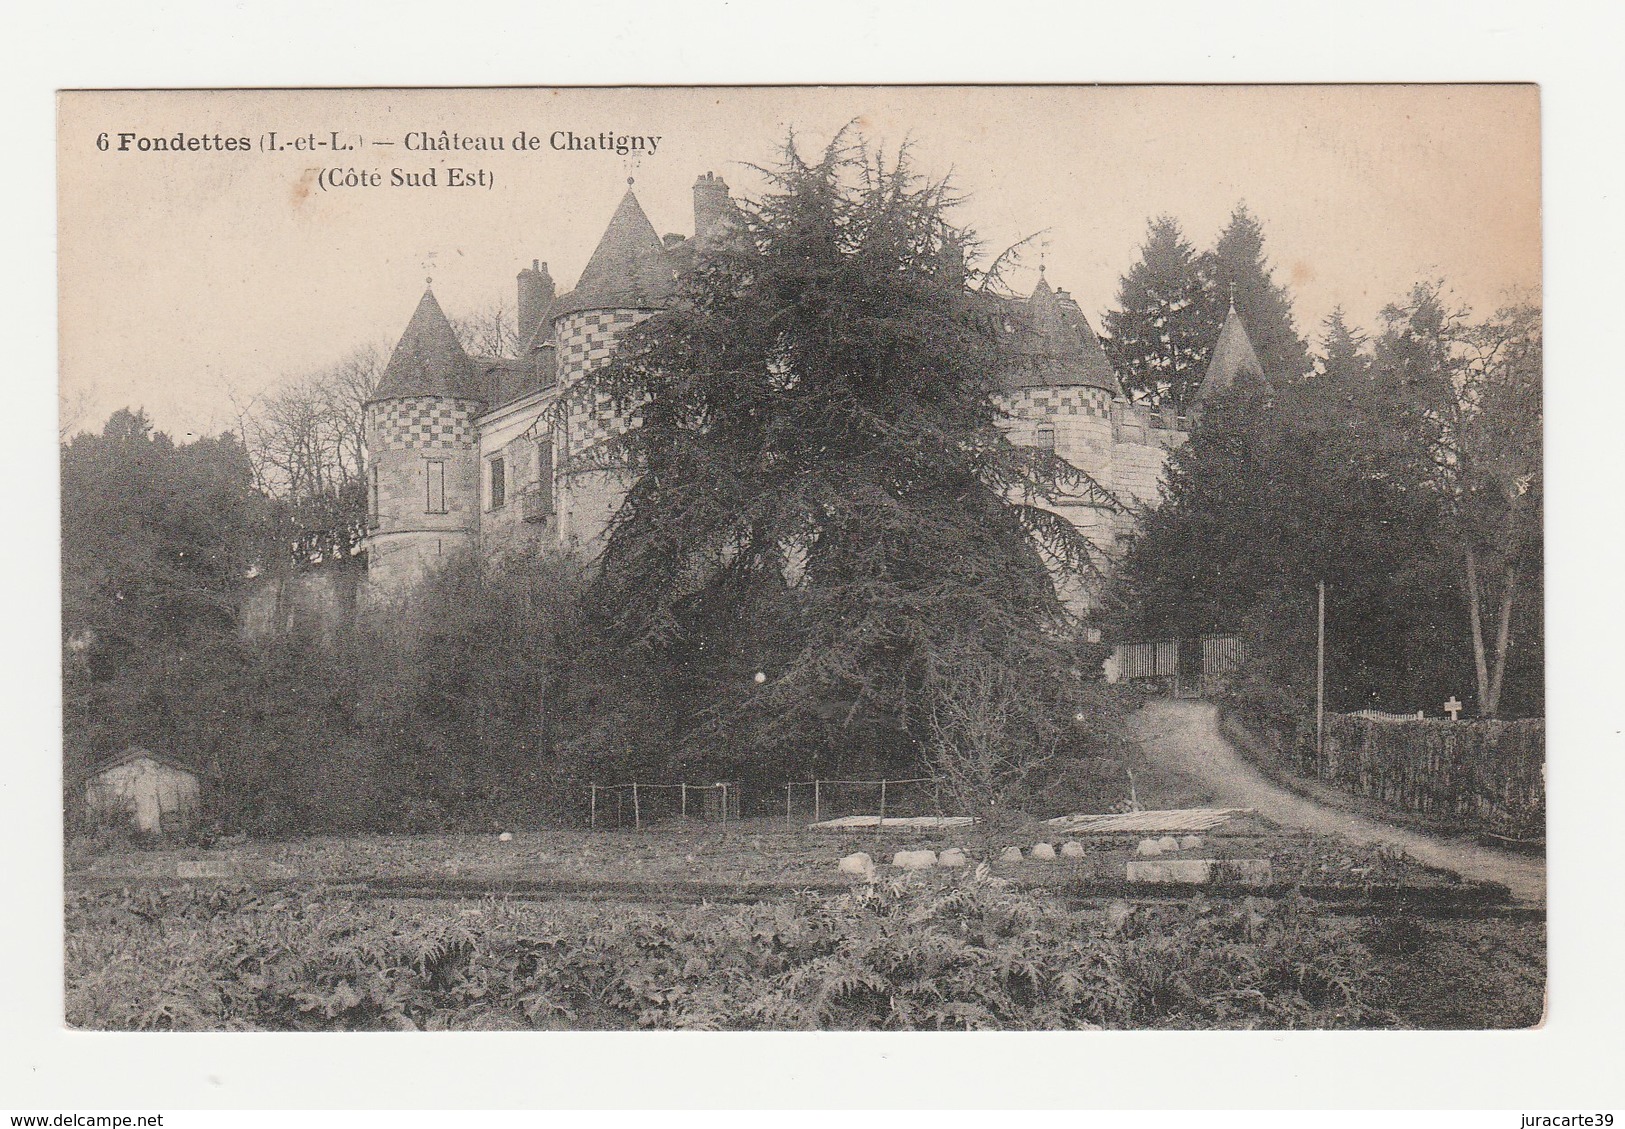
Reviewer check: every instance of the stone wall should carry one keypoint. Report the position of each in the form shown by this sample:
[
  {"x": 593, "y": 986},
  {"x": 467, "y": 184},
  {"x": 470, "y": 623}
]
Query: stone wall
[
  {"x": 522, "y": 435},
  {"x": 312, "y": 602},
  {"x": 586, "y": 340},
  {"x": 588, "y": 499},
  {"x": 425, "y": 488}
]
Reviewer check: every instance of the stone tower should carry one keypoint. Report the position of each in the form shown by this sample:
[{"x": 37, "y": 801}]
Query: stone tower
[
  {"x": 422, "y": 452},
  {"x": 630, "y": 276},
  {"x": 1060, "y": 398}
]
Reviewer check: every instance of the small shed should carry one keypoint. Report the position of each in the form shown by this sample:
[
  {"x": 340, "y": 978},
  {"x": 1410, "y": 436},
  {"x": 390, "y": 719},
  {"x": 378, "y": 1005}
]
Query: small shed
[{"x": 158, "y": 794}]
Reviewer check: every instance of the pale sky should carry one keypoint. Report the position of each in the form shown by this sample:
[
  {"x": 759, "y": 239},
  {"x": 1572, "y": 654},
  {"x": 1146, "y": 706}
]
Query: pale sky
[{"x": 189, "y": 278}]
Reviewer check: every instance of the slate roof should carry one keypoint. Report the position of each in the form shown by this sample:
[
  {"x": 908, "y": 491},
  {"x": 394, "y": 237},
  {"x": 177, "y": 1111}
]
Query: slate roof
[
  {"x": 1057, "y": 345},
  {"x": 136, "y": 752},
  {"x": 506, "y": 379},
  {"x": 1233, "y": 355},
  {"x": 429, "y": 360},
  {"x": 631, "y": 269}
]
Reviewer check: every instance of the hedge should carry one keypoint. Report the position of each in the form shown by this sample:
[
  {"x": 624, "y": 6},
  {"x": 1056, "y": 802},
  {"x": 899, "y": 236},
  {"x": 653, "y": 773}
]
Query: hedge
[{"x": 1490, "y": 775}]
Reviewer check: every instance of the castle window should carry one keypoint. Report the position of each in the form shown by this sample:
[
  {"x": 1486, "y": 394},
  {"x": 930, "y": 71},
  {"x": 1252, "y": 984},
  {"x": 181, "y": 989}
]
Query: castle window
[
  {"x": 538, "y": 493},
  {"x": 1046, "y": 440},
  {"x": 544, "y": 474},
  {"x": 435, "y": 474},
  {"x": 499, "y": 483}
]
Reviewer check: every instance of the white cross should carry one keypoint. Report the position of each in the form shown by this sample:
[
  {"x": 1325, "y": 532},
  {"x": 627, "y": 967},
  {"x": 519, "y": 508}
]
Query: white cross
[{"x": 1452, "y": 707}]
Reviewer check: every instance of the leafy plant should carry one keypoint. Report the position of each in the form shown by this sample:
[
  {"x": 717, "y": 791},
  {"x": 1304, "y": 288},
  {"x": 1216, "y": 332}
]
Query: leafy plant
[{"x": 910, "y": 954}]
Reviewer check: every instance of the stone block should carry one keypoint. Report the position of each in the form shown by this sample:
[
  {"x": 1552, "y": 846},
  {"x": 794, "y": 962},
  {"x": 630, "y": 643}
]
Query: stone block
[
  {"x": 1199, "y": 872},
  {"x": 1243, "y": 872},
  {"x": 914, "y": 860},
  {"x": 1190, "y": 842},
  {"x": 1011, "y": 854},
  {"x": 1148, "y": 848},
  {"x": 1072, "y": 849},
  {"x": 1168, "y": 843},
  {"x": 1194, "y": 872},
  {"x": 202, "y": 868},
  {"x": 953, "y": 857},
  {"x": 1042, "y": 851},
  {"x": 859, "y": 865},
  {"x": 505, "y": 837}
]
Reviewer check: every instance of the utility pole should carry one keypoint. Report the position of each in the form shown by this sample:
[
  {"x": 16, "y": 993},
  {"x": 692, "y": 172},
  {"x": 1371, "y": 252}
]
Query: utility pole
[{"x": 1320, "y": 672}]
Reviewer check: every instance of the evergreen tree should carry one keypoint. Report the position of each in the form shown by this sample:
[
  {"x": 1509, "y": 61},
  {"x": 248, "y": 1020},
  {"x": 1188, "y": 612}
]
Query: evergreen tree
[
  {"x": 1342, "y": 371},
  {"x": 1161, "y": 333},
  {"x": 828, "y": 533},
  {"x": 1405, "y": 473},
  {"x": 156, "y": 538},
  {"x": 1343, "y": 349},
  {"x": 1237, "y": 265},
  {"x": 156, "y": 541},
  {"x": 1274, "y": 493}
]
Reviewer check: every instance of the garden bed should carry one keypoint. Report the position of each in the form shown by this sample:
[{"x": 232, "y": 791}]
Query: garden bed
[
  {"x": 937, "y": 952},
  {"x": 760, "y": 856}
]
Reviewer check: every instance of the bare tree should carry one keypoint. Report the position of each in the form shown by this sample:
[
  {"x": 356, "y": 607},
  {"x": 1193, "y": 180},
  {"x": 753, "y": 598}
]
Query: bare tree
[
  {"x": 489, "y": 332},
  {"x": 987, "y": 736},
  {"x": 72, "y": 411},
  {"x": 307, "y": 442},
  {"x": 1478, "y": 387}
]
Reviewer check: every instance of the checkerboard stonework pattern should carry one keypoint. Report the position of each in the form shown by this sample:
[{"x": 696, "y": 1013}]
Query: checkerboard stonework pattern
[
  {"x": 422, "y": 423},
  {"x": 586, "y": 340},
  {"x": 595, "y": 422},
  {"x": 1063, "y": 402}
]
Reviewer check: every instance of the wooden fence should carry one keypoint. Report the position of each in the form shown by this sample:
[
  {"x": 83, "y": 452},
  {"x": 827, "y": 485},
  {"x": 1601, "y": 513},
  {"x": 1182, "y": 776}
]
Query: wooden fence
[
  {"x": 1487, "y": 774},
  {"x": 640, "y": 804},
  {"x": 816, "y": 800},
  {"x": 1137, "y": 661},
  {"x": 1207, "y": 659}
]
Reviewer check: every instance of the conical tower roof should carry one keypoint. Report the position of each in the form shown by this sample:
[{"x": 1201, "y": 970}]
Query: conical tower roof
[
  {"x": 1059, "y": 347},
  {"x": 429, "y": 360},
  {"x": 1233, "y": 355},
  {"x": 629, "y": 270}
]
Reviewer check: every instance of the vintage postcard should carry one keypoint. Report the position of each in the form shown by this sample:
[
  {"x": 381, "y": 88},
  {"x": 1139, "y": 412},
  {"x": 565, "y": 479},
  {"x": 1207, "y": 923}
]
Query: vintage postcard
[{"x": 803, "y": 558}]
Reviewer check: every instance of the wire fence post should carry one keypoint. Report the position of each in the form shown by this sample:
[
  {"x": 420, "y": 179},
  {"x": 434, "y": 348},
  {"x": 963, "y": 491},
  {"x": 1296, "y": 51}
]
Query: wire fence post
[
  {"x": 724, "y": 788},
  {"x": 882, "y": 803},
  {"x": 592, "y": 808},
  {"x": 620, "y": 809},
  {"x": 684, "y": 794},
  {"x": 787, "y": 820},
  {"x": 637, "y": 817},
  {"x": 816, "y": 800}
]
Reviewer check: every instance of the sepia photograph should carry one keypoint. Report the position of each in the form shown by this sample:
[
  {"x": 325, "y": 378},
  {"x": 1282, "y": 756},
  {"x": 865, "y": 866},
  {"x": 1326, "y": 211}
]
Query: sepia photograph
[{"x": 803, "y": 558}]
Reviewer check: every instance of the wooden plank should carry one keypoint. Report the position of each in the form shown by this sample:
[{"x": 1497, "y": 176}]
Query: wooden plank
[
  {"x": 894, "y": 822},
  {"x": 1186, "y": 819}
]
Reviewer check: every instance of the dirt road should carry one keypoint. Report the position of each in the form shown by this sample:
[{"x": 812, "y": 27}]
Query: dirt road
[{"x": 1182, "y": 741}]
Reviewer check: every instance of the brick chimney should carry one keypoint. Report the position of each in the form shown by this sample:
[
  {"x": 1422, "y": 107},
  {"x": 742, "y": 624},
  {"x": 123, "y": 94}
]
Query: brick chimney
[
  {"x": 536, "y": 292},
  {"x": 710, "y": 203}
]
